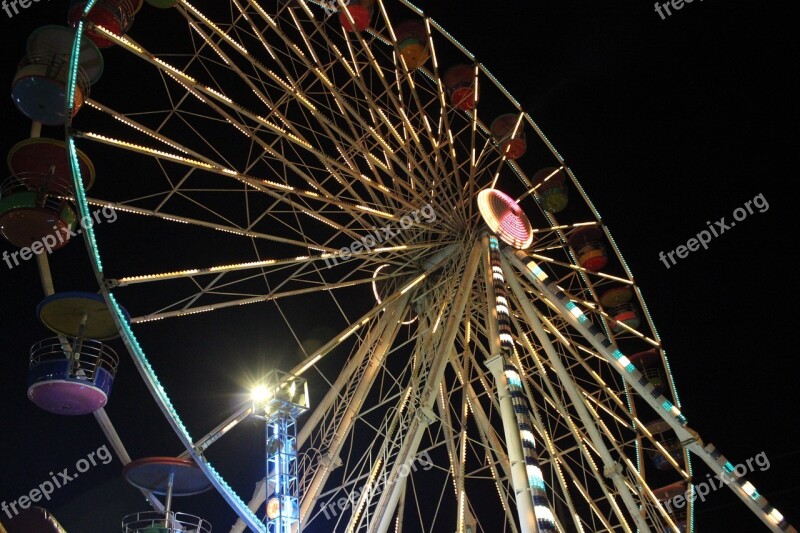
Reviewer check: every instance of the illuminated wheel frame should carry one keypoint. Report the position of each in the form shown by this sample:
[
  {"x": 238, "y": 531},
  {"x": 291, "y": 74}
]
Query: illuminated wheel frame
[{"x": 281, "y": 139}]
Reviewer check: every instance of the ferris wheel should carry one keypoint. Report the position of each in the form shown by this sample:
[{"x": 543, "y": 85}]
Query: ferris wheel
[{"x": 491, "y": 364}]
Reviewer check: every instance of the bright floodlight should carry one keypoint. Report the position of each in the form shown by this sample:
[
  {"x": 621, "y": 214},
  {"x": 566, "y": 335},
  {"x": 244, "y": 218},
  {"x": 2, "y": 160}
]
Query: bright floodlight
[
  {"x": 279, "y": 391},
  {"x": 260, "y": 394},
  {"x": 505, "y": 218}
]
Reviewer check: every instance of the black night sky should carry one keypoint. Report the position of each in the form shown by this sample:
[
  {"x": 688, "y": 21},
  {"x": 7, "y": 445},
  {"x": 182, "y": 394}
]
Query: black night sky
[{"x": 667, "y": 124}]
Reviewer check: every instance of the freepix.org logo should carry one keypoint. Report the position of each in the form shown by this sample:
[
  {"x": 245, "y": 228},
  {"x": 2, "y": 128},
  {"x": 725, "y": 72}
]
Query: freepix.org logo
[
  {"x": 382, "y": 235},
  {"x": 345, "y": 502},
  {"x": 677, "y": 5},
  {"x": 11, "y": 5},
  {"x": 714, "y": 230},
  {"x": 711, "y": 484},
  {"x": 56, "y": 481},
  {"x": 49, "y": 242},
  {"x": 332, "y": 6}
]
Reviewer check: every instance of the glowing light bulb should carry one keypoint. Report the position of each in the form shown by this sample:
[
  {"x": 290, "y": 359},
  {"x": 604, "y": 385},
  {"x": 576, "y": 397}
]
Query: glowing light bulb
[
  {"x": 273, "y": 508},
  {"x": 260, "y": 394}
]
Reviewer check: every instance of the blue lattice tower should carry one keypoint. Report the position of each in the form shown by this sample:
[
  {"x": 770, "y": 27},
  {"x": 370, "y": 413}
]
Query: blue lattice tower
[{"x": 284, "y": 399}]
